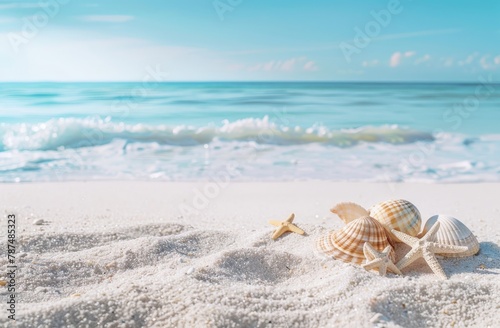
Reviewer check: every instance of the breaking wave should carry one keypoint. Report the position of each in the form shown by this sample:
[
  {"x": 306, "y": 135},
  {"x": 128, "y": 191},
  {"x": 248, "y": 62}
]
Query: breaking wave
[{"x": 76, "y": 133}]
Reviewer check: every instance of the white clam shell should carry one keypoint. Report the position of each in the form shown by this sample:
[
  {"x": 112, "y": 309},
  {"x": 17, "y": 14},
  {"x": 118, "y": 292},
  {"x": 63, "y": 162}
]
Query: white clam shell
[{"x": 453, "y": 232}]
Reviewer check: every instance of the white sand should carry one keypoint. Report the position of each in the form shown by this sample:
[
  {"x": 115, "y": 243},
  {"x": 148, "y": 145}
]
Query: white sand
[{"x": 121, "y": 254}]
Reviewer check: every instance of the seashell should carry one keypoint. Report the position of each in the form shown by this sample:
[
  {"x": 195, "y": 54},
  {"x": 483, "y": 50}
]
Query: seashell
[
  {"x": 398, "y": 214},
  {"x": 347, "y": 243},
  {"x": 453, "y": 232},
  {"x": 349, "y": 211}
]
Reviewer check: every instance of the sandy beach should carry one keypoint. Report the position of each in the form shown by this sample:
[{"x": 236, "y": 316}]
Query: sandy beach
[
  {"x": 135, "y": 254},
  {"x": 181, "y": 163}
]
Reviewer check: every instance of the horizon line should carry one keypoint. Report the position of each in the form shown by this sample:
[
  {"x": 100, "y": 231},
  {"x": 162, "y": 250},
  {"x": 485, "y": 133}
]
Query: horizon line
[{"x": 265, "y": 81}]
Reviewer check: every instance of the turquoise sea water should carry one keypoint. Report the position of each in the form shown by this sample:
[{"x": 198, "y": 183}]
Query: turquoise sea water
[{"x": 256, "y": 131}]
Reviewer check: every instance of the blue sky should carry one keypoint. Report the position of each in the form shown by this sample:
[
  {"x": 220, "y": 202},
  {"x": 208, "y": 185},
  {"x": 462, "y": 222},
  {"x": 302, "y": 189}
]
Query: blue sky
[{"x": 193, "y": 40}]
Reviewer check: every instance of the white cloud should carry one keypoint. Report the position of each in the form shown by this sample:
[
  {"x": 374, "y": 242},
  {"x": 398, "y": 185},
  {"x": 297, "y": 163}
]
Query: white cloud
[
  {"x": 108, "y": 18},
  {"x": 395, "y": 59},
  {"x": 60, "y": 56},
  {"x": 469, "y": 59},
  {"x": 310, "y": 66},
  {"x": 370, "y": 63},
  {"x": 71, "y": 55},
  {"x": 289, "y": 64},
  {"x": 447, "y": 61},
  {"x": 485, "y": 63},
  {"x": 489, "y": 65},
  {"x": 270, "y": 65},
  {"x": 422, "y": 59}
]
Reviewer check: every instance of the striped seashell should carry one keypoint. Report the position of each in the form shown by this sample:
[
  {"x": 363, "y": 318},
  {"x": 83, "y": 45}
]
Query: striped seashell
[
  {"x": 398, "y": 214},
  {"x": 347, "y": 243},
  {"x": 348, "y": 211},
  {"x": 453, "y": 232}
]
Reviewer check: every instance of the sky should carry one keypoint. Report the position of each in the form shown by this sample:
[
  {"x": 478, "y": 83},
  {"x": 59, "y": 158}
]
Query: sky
[{"x": 243, "y": 40}]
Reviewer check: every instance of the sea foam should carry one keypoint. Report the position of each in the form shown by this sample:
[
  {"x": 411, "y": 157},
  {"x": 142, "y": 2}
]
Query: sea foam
[{"x": 76, "y": 133}]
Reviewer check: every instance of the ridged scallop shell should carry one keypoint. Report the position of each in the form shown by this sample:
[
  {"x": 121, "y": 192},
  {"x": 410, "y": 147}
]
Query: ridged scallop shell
[
  {"x": 348, "y": 211},
  {"x": 398, "y": 214},
  {"x": 453, "y": 232},
  {"x": 347, "y": 243}
]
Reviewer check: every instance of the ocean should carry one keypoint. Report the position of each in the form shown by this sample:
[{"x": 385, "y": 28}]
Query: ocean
[{"x": 259, "y": 131}]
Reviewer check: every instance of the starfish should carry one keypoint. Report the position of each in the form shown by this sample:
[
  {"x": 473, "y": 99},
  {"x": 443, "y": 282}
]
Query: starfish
[
  {"x": 379, "y": 260},
  {"x": 285, "y": 226},
  {"x": 426, "y": 247}
]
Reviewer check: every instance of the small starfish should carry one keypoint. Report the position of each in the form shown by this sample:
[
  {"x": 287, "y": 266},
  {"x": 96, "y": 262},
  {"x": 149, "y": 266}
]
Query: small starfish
[
  {"x": 285, "y": 226},
  {"x": 379, "y": 260},
  {"x": 426, "y": 247}
]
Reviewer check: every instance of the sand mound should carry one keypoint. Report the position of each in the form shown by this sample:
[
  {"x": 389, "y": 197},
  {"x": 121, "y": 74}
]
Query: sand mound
[
  {"x": 221, "y": 268},
  {"x": 444, "y": 303},
  {"x": 174, "y": 275},
  {"x": 251, "y": 266}
]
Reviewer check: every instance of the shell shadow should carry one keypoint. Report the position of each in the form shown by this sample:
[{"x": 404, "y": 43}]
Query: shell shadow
[
  {"x": 483, "y": 262},
  {"x": 486, "y": 260}
]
